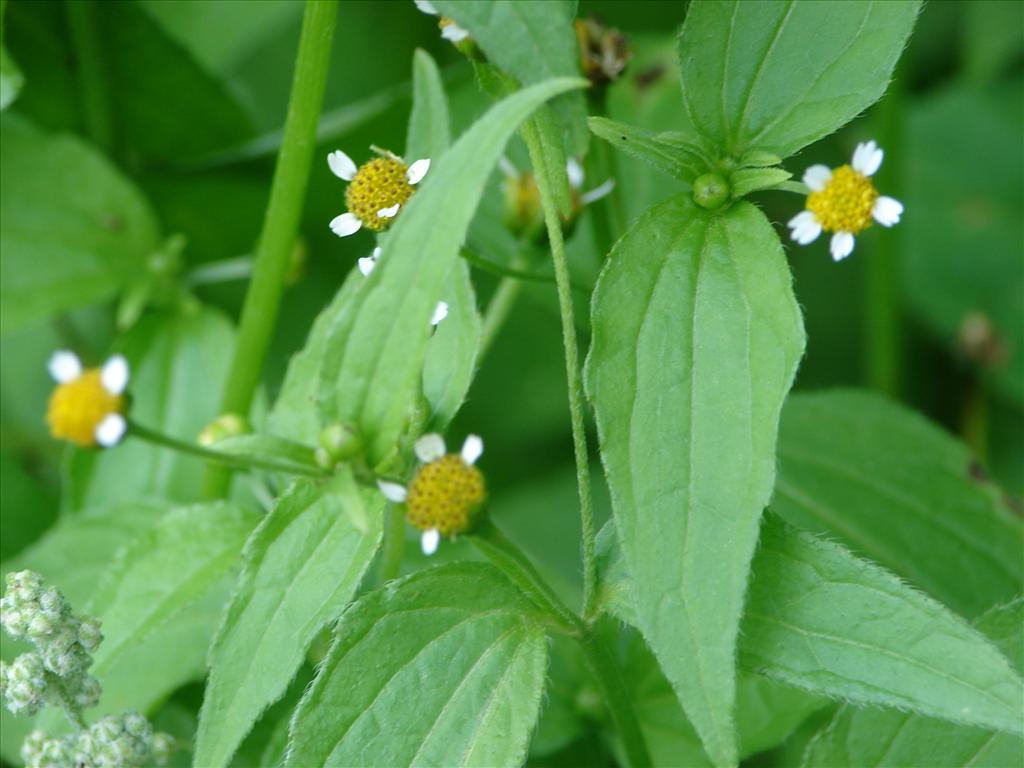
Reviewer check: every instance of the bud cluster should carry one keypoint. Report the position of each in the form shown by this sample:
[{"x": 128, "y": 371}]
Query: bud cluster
[{"x": 56, "y": 673}]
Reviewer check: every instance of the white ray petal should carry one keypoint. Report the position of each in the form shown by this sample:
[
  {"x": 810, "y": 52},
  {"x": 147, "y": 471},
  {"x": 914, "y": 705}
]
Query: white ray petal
[
  {"x": 508, "y": 168},
  {"x": 817, "y": 176},
  {"x": 426, "y": 7},
  {"x": 114, "y": 375},
  {"x": 394, "y": 492},
  {"x": 346, "y": 224},
  {"x": 454, "y": 33},
  {"x": 867, "y": 158},
  {"x": 430, "y": 448},
  {"x": 805, "y": 228},
  {"x": 887, "y": 211},
  {"x": 598, "y": 192},
  {"x": 367, "y": 263},
  {"x": 841, "y": 246},
  {"x": 417, "y": 171},
  {"x": 111, "y": 429},
  {"x": 429, "y": 541},
  {"x": 64, "y": 366},
  {"x": 575, "y": 173},
  {"x": 472, "y": 449},
  {"x": 341, "y": 165},
  {"x": 440, "y": 313},
  {"x": 389, "y": 213}
]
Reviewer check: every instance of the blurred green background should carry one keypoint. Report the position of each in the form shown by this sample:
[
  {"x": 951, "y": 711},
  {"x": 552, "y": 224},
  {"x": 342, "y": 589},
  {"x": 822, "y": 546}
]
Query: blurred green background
[{"x": 186, "y": 99}]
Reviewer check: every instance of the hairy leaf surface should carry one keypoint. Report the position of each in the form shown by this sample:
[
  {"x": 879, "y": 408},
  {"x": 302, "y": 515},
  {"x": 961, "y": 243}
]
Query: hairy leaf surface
[
  {"x": 301, "y": 566},
  {"x": 444, "y": 667},
  {"x": 377, "y": 348},
  {"x": 696, "y": 340},
  {"x": 778, "y": 76},
  {"x": 901, "y": 492}
]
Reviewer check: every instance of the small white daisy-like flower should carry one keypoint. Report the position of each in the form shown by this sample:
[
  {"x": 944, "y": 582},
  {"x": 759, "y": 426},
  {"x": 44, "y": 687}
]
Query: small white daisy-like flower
[
  {"x": 844, "y": 202},
  {"x": 377, "y": 190},
  {"x": 446, "y": 491},
  {"x": 366, "y": 265},
  {"x": 449, "y": 29},
  {"x": 87, "y": 407}
]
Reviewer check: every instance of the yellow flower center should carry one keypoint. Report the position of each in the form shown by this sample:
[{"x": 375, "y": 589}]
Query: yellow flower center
[
  {"x": 378, "y": 184},
  {"x": 845, "y": 204},
  {"x": 78, "y": 406},
  {"x": 445, "y": 494}
]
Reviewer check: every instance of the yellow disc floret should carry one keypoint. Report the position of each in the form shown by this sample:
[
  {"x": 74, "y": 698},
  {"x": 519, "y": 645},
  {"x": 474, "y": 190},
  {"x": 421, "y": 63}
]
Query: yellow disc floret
[
  {"x": 78, "y": 406},
  {"x": 444, "y": 495},
  {"x": 378, "y": 185},
  {"x": 846, "y": 202}
]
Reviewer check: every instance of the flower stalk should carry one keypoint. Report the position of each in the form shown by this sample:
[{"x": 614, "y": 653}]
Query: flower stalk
[{"x": 281, "y": 223}]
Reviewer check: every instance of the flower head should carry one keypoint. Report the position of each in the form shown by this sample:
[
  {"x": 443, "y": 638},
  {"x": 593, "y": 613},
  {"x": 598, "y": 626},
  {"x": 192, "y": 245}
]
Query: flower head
[
  {"x": 87, "y": 407},
  {"x": 523, "y": 212},
  {"x": 376, "y": 192},
  {"x": 446, "y": 491},
  {"x": 449, "y": 29},
  {"x": 845, "y": 202}
]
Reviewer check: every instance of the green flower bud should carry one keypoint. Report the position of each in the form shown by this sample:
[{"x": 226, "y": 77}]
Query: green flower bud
[
  {"x": 225, "y": 425},
  {"x": 341, "y": 442},
  {"x": 710, "y": 191}
]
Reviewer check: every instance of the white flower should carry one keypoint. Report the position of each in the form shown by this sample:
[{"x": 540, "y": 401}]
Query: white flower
[
  {"x": 844, "y": 201},
  {"x": 86, "y": 407},
  {"x": 449, "y": 29},
  {"x": 445, "y": 491},
  {"x": 377, "y": 190}
]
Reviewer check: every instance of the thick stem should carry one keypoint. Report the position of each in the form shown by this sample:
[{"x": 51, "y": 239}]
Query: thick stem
[
  {"x": 514, "y": 563},
  {"x": 281, "y": 223},
  {"x": 394, "y": 545},
  {"x": 232, "y": 460},
  {"x": 572, "y": 366},
  {"x": 92, "y": 83}
]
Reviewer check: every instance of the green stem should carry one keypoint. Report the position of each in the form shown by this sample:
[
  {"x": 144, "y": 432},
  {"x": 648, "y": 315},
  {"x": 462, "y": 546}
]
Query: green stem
[
  {"x": 85, "y": 40},
  {"x": 514, "y": 563},
  {"x": 394, "y": 545},
  {"x": 974, "y": 418},
  {"x": 67, "y": 704},
  {"x": 883, "y": 326},
  {"x": 281, "y": 223},
  {"x": 572, "y": 366},
  {"x": 232, "y": 460},
  {"x": 498, "y": 310}
]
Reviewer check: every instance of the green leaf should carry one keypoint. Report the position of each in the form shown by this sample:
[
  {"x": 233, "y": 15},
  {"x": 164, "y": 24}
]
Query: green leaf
[
  {"x": 75, "y": 230},
  {"x": 301, "y": 567},
  {"x": 532, "y": 42},
  {"x": 779, "y": 76},
  {"x": 280, "y": 450},
  {"x": 164, "y": 571},
  {"x": 696, "y": 340},
  {"x": 900, "y": 492},
  {"x": 444, "y": 667},
  {"x": 821, "y": 619},
  {"x": 746, "y": 180},
  {"x": 11, "y": 79},
  {"x": 970, "y": 202},
  {"x": 429, "y": 134},
  {"x": 876, "y": 737},
  {"x": 371, "y": 375},
  {"x": 665, "y": 152},
  {"x": 178, "y": 364},
  {"x": 451, "y": 358}
]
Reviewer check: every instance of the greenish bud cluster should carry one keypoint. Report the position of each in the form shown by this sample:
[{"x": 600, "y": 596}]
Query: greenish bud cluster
[
  {"x": 115, "y": 741},
  {"x": 338, "y": 443},
  {"x": 56, "y": 673},
  {"x": 710, "y": 191}
]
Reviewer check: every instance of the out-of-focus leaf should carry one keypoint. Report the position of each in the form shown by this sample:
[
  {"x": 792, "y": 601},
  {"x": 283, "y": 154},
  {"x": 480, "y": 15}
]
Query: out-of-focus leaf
[
  {"x": 532, "y": 42},
  {"x": 371, "y": 375},
  {"x": 11, "y": 79},
  {"x": 75, "y": 230},
  {"x": 882, "y": 737},
  {"x": 696, "y": 340},
  {"x": 178, "y": 364},
  {"x": 301, "y": 567},
  {"x": 456, "y": 654},
  {"x": 991, "y": 36},
  {"x": 900, "y": 492},
  {"x": 962, "y": 236},
  {"x": 778, "y": 76},
  {"x": 429, "y": 133}
]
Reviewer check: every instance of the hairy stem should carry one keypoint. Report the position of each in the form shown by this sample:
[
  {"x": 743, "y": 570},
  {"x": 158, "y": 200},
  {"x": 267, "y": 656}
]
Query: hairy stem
[
  {"x": 232, "y": 460},
  {"x": 514, "y": 563},
  {"x": 281, "y": 223},
  {"x": 92, "y": 83},
  {"x": 572, "y": 365}
]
